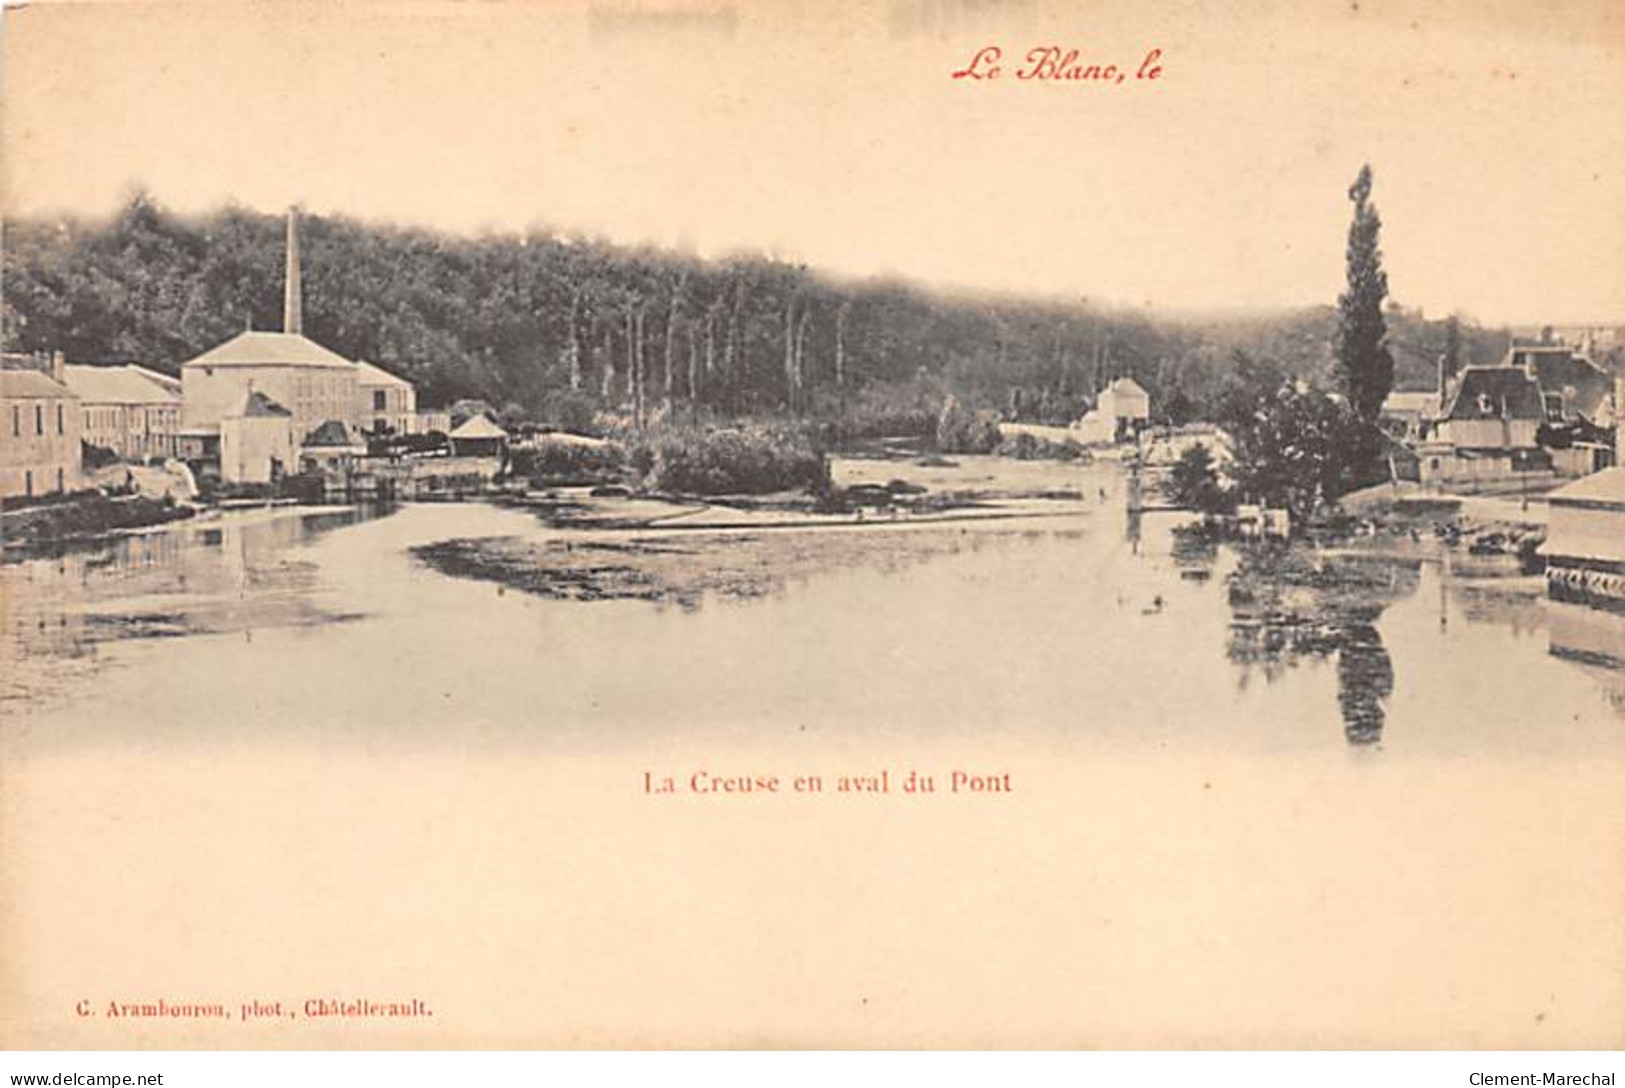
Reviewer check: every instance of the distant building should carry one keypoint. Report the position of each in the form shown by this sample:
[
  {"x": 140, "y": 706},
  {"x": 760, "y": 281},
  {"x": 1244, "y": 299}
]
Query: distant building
[
  {"x": 1119, "y": 411},
  {"x": 257, "y": 441},
  {"x": 1585, "y": 544},
  {"x": 133, "y": 411},
  {"x": 1409, "y": 416},
  {"x": 477, "y": 436},
  {"x": 312, "y": 383},
  {"x": 461, "y": 411},
  {"x": 387, "y": 403},
  {"x": 39, "y": 431},
  {"x": 1574, "y": 387},
  {"x": 1493, "y": 408},
  {"x": 1585, "y": 532},
  {"x": 433, "y": 419},
  {"x": 1487, "y": 433},
  {"x": 330, "y": 448},
  {"x": 1126, "y": 399}
]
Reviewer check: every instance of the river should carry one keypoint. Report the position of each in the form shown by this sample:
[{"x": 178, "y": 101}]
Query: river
[{"x": 1364, "y": 796}]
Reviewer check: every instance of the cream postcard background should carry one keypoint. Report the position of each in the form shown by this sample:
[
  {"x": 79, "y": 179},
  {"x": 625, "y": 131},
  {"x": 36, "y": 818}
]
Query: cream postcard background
[{"x": 539, "y": 898}]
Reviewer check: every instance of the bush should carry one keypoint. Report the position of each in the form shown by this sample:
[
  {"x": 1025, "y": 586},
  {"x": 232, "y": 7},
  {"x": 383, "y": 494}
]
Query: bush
[
  {"x": 1302, "y": 450},
  {"x": 877, "y": 410},
  {"x": 959, "y": 430},
  {"x": 753, "y": 459},
  {"x": 1194, "y": 483},
  {"x": 571, "y": 410},
  {"x": 1029, "y": 447},
  {"x": 577, "y": 462}
]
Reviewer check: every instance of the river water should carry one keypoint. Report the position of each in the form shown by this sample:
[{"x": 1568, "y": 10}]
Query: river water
[{"x": 1365, "y": 796}]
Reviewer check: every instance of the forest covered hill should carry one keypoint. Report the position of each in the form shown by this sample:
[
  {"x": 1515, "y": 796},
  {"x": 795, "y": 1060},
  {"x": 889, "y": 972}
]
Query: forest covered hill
[{"x": 556, "y": 327}]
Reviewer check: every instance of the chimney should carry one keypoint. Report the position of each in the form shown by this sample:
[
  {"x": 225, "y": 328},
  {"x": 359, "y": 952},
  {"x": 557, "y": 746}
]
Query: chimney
[
  {"x": 58, "y": 367},
  {"x": 292, "y": 301}
]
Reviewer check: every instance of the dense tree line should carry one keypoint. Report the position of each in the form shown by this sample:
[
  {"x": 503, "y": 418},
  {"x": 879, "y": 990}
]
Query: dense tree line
[{"x": 561, "y": 328}]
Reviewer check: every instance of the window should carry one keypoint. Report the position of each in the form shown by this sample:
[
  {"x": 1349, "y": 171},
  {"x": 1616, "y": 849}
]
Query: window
[
  {"x": 16, "y": 421},
  {"x": 39, "y": 419},
  {"x": 59, "y": 485},
  {"x": 28, "y": 482},
  {"x": 379, "y": 400},
  {"x": 59, "y": 430}
]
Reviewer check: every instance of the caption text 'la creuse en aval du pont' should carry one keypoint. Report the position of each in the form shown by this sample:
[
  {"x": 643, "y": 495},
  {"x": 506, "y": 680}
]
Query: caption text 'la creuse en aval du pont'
[{"x": 903, "y": 783}]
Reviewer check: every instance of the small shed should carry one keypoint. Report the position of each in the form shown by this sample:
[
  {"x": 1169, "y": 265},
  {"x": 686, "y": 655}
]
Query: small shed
[
  {"x": 331, "y": 445},
  {"x": 477, "y": 436}
]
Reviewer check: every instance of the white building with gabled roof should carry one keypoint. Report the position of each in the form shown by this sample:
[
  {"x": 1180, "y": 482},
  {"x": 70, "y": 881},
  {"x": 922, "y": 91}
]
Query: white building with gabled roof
[
  {"x": 257, "y": 443},
  {"x": 1119, "y": 410},
  {"x": 313, "y": 383}
]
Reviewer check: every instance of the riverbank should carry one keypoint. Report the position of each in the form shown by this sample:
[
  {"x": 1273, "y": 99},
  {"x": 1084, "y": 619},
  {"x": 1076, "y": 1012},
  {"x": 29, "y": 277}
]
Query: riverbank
[
  {"x": 1479, "y": 527},
  {"x": 87, "y": 517},
  {"x": 616, "y": 544}
]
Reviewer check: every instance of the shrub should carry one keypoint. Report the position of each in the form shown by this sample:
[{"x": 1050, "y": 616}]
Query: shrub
[
  {"x": 752, "y": 459},
  {"x": 959, "y": 430},
  {"x": 1029, "y": 447},
  {"x": 878, "y": 410},
  {"x": 1194, "y": 483},
  {"x": 553, "y": 459}
]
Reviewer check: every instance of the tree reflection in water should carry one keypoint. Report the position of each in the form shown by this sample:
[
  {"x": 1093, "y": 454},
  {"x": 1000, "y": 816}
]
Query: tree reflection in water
[
  {"x": 1365, "y": 679},
  {"x": 1290, "y": 604}
]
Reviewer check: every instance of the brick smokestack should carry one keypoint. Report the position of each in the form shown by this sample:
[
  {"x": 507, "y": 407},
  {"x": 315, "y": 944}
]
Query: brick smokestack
[{"x": 293, "y": 318}]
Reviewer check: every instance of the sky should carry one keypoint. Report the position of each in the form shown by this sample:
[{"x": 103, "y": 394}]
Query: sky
[{"x": 835, "y": 134}]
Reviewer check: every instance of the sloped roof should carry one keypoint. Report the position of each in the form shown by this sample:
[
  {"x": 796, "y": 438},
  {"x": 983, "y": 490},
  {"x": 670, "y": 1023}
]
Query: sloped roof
[
  {"x": 372, "y": 374},
  {"x": 1562, "y": 370},
  {"x": 1496, "y": 392},
  {"x": 164, "y": 381},
  {"x": 1426, "y": 403},
  {"x": 117, "y": 385},
  {"x": 258, "y": 405},
  {"x": 270, "y": 349},
  {"x": 331, "y": 433},
  {"x": 478, "y": 427},
  {"x": 567, "y": 438},
  {"x": 1606, "y": 486},
  {"x": 32, "y": 383},
  {"x": 1128, "y": 386}
]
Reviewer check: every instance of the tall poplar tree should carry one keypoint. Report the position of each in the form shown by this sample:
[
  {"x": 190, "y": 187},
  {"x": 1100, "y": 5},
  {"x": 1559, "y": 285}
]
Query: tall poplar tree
[{"x": 1364, "y": 366}]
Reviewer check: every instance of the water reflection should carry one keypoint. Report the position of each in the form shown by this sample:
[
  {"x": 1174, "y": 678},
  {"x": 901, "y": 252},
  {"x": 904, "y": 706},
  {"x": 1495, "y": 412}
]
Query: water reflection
[
  {"x": 886, "y": 622},
  {"x": 1291, "y": 605},
  {"x": 231, "y": 574},
  {"x": 1595, "y": 641},
  {"x": 1365, "y": 679}
]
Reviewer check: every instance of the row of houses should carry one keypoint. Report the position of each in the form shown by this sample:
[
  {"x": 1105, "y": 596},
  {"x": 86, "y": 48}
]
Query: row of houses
[
  {"x": 1544, "y": 412},
  {"x": 257, "y": 407}
]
